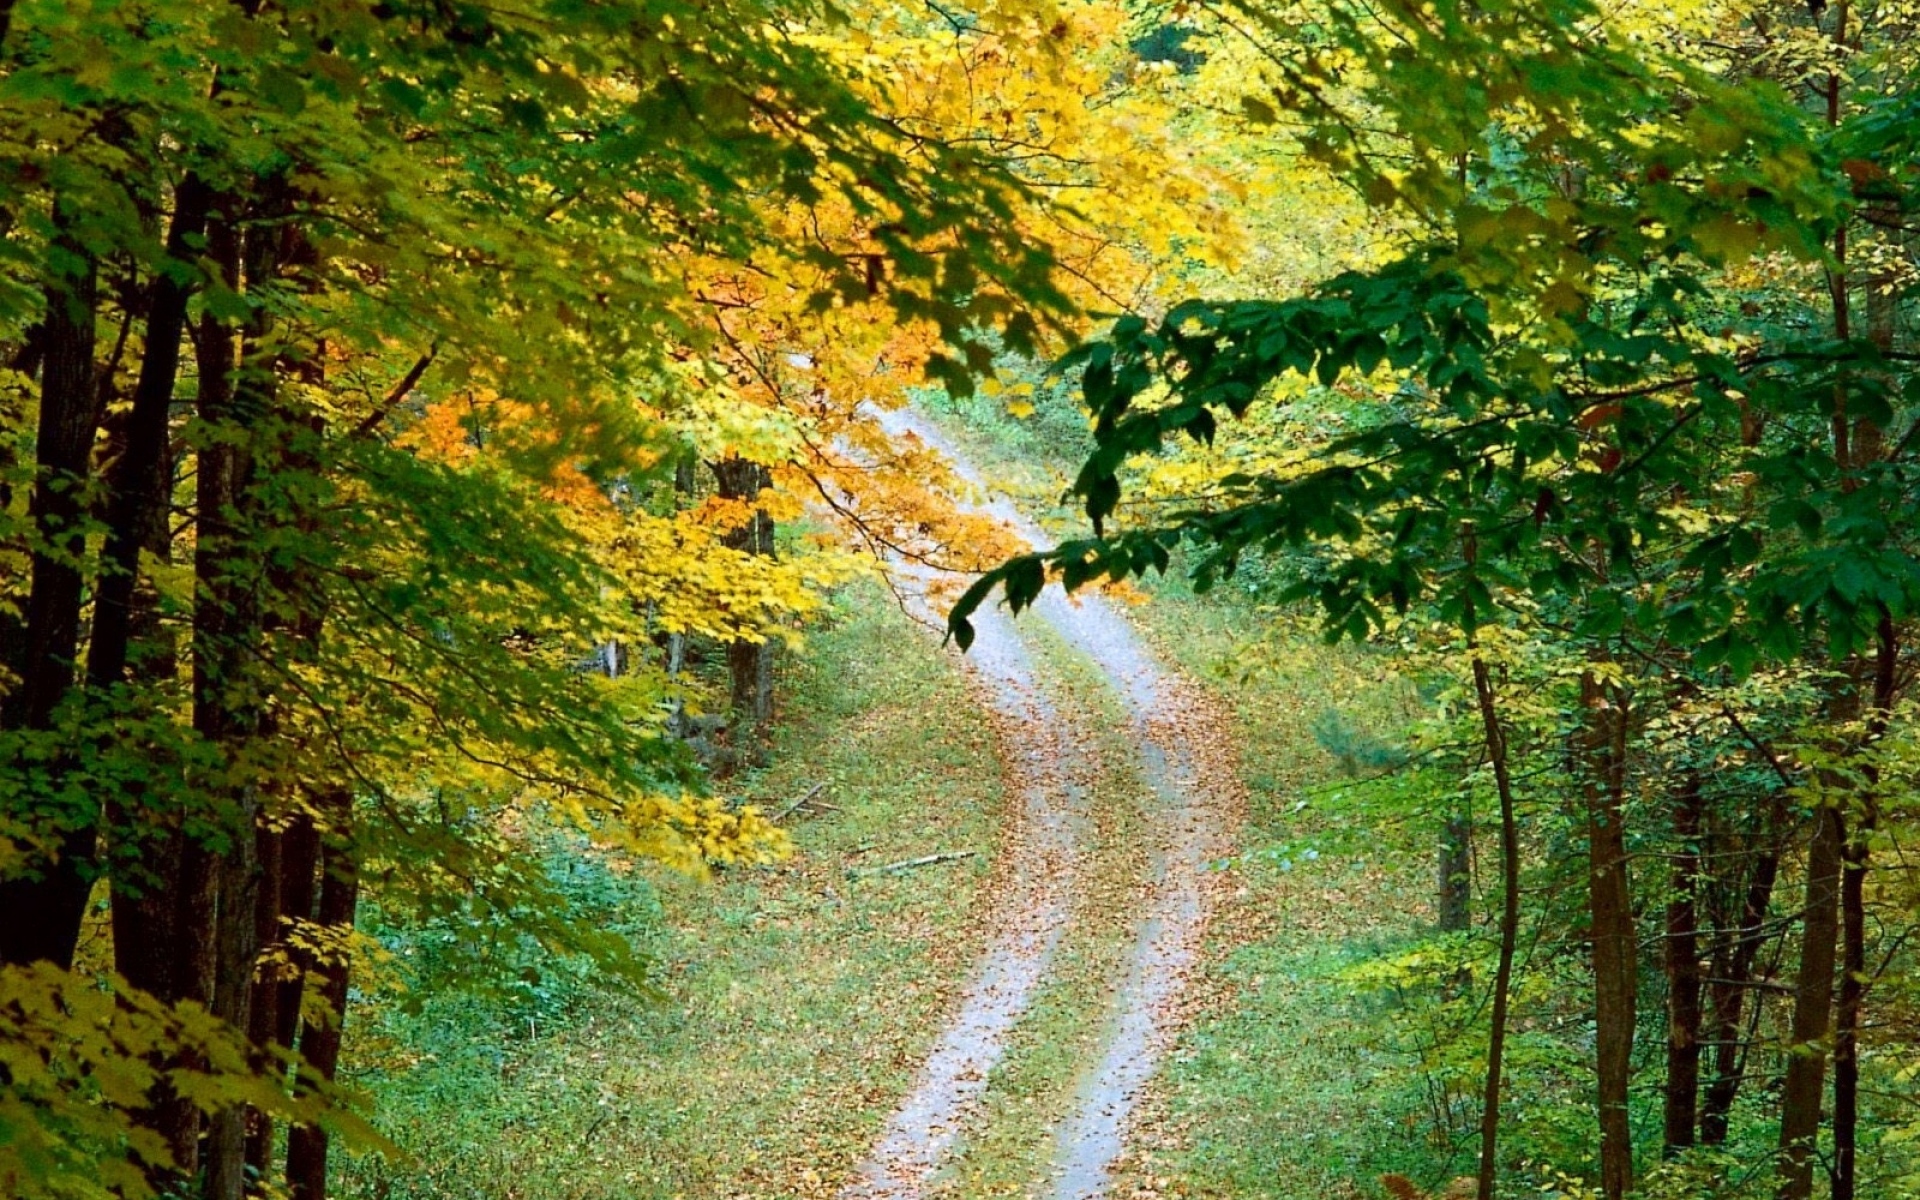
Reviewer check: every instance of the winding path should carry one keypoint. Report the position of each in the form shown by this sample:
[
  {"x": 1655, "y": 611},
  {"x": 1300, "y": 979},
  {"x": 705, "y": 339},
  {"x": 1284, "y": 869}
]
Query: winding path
[{"x": 1198, "y": 804}]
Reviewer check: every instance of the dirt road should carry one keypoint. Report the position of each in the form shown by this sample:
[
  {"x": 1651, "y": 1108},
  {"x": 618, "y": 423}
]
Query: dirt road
[{"x": 1047, "y": 763}]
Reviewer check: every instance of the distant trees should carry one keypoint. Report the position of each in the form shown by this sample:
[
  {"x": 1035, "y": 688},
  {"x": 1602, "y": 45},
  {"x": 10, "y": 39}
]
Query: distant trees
[
  {"x": 347, "y": 351},
  {"x": 1630, "y": 414},
  {"x": 357, "y": 362}
]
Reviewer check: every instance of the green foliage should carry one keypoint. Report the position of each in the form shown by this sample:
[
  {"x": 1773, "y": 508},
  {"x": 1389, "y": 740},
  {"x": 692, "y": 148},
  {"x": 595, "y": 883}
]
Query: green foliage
[
  {"x": 789, "y": 997},
  {"x": 82, "y": 1060}
]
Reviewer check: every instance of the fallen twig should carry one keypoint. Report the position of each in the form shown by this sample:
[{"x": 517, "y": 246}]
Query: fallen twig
[
  {"x": 908, "y": 864},
  {"x": 801, "y": 803}
]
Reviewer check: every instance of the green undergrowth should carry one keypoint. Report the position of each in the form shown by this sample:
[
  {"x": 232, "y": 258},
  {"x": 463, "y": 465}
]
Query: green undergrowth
[
  {"x": 795, "y": 1001},
  {"x": 1010, "y": 1144},
  {"x": 1295, "y": 1081}
]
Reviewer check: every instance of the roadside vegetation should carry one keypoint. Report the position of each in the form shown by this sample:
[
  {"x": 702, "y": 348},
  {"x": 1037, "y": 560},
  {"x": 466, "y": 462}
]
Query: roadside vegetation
[{"x": 793, "y": 1001}]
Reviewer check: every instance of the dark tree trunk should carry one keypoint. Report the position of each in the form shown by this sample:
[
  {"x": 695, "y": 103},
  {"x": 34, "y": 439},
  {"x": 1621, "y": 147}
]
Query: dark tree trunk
[
  {"x": 1611, "y": 910},
  {"x": 1853, "y": 925},
  {"x": 1846, "y": 1038},
  {"x": 1812, "y": 1008},
  {"x": 1682, "y": 1097},
  {"x": 1456, "y": 874},
  {"x": 227, "y": 628},
  {"x": 749, "y": 663},
  {"x": 263, "y": 1004},
  {"x": 299, "y": 892},
  {"x": 162, "y": 877},
  {"x": 1495, "y": 735},
  {"x": 288, "y": 862},
  {"x": 1735, "y": 955},
  {"x": 320, "y": 1041},
  {"x": 44, "y": 908},
  {"x": 1496, "y": 740},
  {"x": 139, "y": 483}
]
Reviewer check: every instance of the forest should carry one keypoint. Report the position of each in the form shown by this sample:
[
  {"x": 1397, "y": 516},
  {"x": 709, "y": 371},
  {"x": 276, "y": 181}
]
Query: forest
[{"x": 898, "y": 599}]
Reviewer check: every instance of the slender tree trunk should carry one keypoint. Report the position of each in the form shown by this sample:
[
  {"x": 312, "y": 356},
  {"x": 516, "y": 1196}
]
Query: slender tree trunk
[
  {"x": 1733, "y": 973},
  {"x": 44, "y": 909},
  {"x": 1854, "y": 443},
  {"x": 1456, "y": 873},
  {"x": 1682, "y": 1098},
  {"x": 1853, "y": 921},
  {"x": 162, "y": 876},
  {"x": 1495, "y": 734},
  {"x": 263, "y": 1003},
  {"x": 227, "y": 627},
  {"x": 749, "y": 663},
  {"x": 275, "y": 1018},
  {"x": 1611, "y": 910},
  {"x": 1812, "y": 1026},
  {"x": 320, "y": 1040},
  {"x": 1853, "y": 992},
  {"x": 139, "y": 483},
  {"x": 1496, "y": 739}
]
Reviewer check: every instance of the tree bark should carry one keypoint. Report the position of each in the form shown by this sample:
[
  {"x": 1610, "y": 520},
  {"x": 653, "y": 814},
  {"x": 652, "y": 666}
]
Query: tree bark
[
  {"x": 1611, "y": 911},
  {"x": 139, "y": 483},
  {"x": 1455, "y": 873},
  {"x": 44, "y": 908},
  {"x": 1853, "y": 921},
  {"x": 1488, "y": 1174},
  {"x": 227, "y": 628},
  {"x": 1496, "y": 740},
  {"x": 1813, "y": 1007},
  {"x": 749, "y": 663},
  {"x": 320, "y": 1041},
  {"x": 1682, "y": 1097},
  {"x": 285, "y": 903},
  {"x": 162, "y": 876}
]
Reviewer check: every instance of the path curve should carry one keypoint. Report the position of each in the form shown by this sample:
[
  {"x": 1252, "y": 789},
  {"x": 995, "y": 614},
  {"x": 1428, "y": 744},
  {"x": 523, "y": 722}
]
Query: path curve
[
  {"x": 1033, "y": 890},
  {"x": 1200, "y": 800}
]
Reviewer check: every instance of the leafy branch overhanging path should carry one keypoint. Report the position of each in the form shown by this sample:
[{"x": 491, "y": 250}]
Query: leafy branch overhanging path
[{"x": 1179, "y": 740}]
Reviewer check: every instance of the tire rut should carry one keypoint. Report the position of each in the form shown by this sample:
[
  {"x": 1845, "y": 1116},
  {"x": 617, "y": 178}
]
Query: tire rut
[{"x": 1033, "y": 891}]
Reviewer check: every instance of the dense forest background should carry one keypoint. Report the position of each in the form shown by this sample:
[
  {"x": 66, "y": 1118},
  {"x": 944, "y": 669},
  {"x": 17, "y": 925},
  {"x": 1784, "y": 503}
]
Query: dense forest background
[{"x": 471, "y": 691}]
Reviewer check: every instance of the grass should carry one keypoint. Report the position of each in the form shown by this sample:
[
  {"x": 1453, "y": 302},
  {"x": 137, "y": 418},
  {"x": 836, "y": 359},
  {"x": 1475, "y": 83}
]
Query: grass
[
  {"x": 1282, "y": 1087},
  {"x": 797, "y": 1000}
]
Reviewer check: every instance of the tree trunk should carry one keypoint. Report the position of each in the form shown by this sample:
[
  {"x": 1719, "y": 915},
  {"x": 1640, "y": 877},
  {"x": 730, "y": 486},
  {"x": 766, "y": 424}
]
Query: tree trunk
[
  {"x": 1496, "y": 740},
  {"x": 227, "y": 628},
  {"x": 1733, "y": 965},
  {"x": 1611, "y": 910},
  {"x": 44, "y": 908},
  {"x": 1853, "y": 922},
  {"x": 1846, "y": 1038},
  {"x": 1456, "y": 874},
  {"x": 286, "y": 901},
  {"x": 320, "y": 1041},
  {"x": 263, "y": 1001},
  {"x": 1682, "y": 1097},
  {"x": 1487, "y": 1176},
  {"x": 749, "y": 663},
  {"x": 1813, "y": 1007},
  {"x": 140, "y": 483},
  {"x": 162, "y": 877}
]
